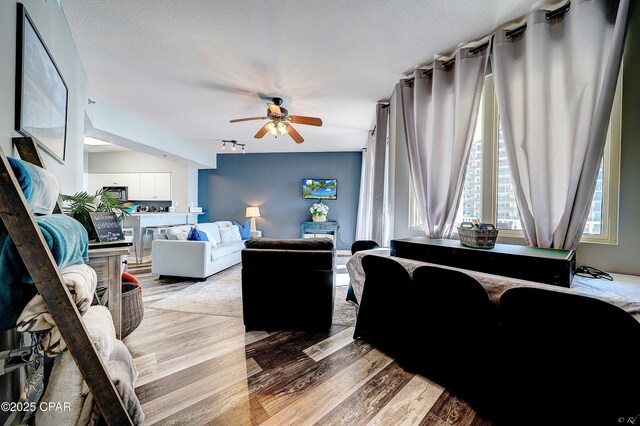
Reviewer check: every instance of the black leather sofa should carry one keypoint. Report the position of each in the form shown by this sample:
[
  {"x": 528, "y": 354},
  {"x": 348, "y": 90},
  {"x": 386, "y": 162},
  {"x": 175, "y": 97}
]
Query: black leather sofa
[
  {"x": 540, "y": 357},
  {"x": 288, "y": 283}
]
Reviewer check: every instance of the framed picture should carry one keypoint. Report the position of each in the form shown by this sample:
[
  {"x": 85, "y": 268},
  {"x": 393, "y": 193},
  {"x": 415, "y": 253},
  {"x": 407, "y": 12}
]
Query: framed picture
[{"x": 41, "y": 93}]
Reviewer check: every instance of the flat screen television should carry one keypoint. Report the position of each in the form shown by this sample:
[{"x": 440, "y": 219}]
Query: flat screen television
[{"x": 320, "y": 189}]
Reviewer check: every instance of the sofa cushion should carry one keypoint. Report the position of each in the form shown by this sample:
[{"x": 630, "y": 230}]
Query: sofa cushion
[
  {"x": 178, "y": 232},
  {"x": 290, "y": 244},
  {"x": 211, "y": 229},
  {"x": 197, "y": 235},
  {"x": 230, "y": 233},
  {"x": 223, "y": 223},
  {"x": 224, "y": 249}
]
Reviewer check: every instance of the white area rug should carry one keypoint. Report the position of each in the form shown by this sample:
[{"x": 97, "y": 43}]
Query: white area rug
[{"x": 221, "y": 294}]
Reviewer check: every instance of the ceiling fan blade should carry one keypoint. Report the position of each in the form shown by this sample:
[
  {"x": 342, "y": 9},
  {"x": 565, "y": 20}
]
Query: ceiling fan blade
[
  {"x": 294, "y": 134},
  {"x": 247, "y": 119},
  {"x": 261, "y": 132},
  {"x": 311, "y": 121},
  {"x": 275, "y": 109}
]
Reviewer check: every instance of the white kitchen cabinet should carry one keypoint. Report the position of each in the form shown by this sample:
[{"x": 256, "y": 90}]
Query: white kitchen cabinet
[
  {"x": 147, "y": 186},
  {"x": 155, "y": 187},
  {"x": 140, "y": 186},
  {"x": 99, "y": 180},
  {"x": 134, "y": 187},
  {"x": 163, "y": 186}
]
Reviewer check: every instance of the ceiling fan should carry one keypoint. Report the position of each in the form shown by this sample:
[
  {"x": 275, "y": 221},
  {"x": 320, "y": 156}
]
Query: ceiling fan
[{"x": 281, "y": 121}]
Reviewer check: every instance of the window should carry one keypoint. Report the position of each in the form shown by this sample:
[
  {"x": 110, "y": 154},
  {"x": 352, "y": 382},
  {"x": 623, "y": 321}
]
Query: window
[{"x": 488, "y": 192}]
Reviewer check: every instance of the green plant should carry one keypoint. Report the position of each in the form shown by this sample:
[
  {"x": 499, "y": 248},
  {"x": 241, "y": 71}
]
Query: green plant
[{"x": 81, "y": 204}]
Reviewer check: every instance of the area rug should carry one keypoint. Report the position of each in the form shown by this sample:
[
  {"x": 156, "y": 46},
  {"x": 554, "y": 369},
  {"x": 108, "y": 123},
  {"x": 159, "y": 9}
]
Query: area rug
[{"x": 221, "y": 294}]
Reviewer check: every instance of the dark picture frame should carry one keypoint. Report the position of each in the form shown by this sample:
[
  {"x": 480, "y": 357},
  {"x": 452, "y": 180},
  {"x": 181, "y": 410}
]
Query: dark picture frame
[{"x": 42, "y": 96}]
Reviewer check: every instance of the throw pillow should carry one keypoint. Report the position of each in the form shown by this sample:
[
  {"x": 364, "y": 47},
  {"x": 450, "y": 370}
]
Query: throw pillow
[
  {"x": 245, "y": 230},
  {"x": 178, "y": 232},
  {"x": 230, "y": 233},
  {"x": 197, "y": 235}
]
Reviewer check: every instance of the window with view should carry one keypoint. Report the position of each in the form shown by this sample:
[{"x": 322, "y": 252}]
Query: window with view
[{"x": 498, "y": 205}]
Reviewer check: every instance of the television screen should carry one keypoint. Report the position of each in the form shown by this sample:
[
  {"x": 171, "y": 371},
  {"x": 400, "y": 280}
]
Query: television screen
[{"x": 320, "y": 189}]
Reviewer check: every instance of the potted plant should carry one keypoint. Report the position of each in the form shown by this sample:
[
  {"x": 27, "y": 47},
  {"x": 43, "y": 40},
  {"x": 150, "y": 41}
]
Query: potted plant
[
  {"x": 79, "y": 205},
  {"x": 319, "y": 212}
]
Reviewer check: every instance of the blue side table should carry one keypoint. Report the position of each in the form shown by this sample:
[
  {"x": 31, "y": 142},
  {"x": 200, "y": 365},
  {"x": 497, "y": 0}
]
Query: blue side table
[{"x": 320, "y": 229}]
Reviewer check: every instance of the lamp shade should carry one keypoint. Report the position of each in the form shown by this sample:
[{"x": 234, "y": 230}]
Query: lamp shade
[{"x": 253, "y": 212}]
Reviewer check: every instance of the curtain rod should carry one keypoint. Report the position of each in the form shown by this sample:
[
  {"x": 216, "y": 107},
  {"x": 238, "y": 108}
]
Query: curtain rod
[{"x": 548, "y": 16}]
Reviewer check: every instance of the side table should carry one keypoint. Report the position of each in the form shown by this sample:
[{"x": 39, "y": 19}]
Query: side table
[{"x": 255, "y": 234}]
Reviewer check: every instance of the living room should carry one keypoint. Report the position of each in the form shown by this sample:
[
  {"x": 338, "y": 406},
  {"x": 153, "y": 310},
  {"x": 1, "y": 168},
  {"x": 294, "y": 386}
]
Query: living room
[{"x": 157, "y": 87}]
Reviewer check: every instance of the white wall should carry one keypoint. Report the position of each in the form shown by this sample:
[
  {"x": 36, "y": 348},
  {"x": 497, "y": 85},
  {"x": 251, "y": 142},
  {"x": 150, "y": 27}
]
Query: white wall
[
  {"x": 184, "y": 179},
  {"x": 192, "y": 186},
  {"x": 111, "y": 124},
  {"x": 52, "y": 25}
]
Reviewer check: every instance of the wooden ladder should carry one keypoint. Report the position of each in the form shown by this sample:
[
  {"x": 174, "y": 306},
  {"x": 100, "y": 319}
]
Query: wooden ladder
[{"x": 16, "y": 215}]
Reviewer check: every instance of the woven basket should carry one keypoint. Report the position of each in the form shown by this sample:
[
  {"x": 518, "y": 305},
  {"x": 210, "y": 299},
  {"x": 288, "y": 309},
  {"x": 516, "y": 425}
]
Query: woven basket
[
  {"x": 477, "y": 238},
  {"x": 132, "y": 308}
]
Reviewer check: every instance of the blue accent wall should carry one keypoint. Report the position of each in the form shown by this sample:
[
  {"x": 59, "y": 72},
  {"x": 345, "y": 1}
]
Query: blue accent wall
[{"x": 273, "y": 182}]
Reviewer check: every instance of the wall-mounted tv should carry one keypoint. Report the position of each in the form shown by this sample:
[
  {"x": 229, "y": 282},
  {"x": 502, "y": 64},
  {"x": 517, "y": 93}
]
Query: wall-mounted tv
[{"x": 320, "y": 189}]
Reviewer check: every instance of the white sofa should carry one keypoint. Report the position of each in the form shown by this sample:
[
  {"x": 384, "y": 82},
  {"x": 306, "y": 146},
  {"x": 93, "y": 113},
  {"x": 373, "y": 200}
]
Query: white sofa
[{"x": 176, "y": 256}]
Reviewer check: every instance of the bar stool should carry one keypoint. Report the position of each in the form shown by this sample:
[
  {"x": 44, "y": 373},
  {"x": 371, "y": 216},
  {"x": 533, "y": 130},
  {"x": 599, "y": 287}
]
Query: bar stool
[
  {"x": 155, "y": 231},
  {"x": 129, "y": 231}
]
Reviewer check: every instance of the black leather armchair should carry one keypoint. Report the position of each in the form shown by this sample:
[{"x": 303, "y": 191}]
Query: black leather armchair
[
  {"x": 453, "y": 334},
  {"x": 383, "y": 317},
  {"x": 567, "y": 358},
  {"x": 288, "y": 283}
]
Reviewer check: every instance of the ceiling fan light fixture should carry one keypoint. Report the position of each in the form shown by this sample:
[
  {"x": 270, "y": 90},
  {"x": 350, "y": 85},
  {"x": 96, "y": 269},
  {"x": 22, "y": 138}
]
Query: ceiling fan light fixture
[
  {"x": 272, "y": 128},
  {"x": 281, "y": 122}
]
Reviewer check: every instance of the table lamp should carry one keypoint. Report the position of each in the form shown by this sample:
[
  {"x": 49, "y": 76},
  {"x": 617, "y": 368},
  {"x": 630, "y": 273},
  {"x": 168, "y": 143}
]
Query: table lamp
[{"x": 253, "y": 212}]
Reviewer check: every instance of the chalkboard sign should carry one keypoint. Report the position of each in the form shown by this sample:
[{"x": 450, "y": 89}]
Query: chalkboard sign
[{"x": 106, "y": 226}]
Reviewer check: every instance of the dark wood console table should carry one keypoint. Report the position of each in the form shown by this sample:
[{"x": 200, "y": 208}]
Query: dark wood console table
[{"x": 550, "y": 266}]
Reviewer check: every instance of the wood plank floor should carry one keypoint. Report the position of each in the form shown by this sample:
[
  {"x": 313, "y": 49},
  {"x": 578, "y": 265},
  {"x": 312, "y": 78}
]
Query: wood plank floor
[{"x": 198, "y": 369}]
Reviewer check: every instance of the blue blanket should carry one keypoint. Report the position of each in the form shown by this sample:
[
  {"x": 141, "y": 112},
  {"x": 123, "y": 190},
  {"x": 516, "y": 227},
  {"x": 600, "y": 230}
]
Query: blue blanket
[
  {"x": 69, "y": 244},
  {"x": 39, "y": 186}
]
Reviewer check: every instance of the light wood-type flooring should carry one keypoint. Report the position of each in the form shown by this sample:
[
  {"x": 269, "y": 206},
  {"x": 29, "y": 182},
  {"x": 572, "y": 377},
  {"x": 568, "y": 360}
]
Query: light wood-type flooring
[{"x": 200, "y": 369}]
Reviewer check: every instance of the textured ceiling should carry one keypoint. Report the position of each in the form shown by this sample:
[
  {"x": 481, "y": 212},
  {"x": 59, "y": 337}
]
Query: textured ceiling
[{"x": 189, "y": 66}]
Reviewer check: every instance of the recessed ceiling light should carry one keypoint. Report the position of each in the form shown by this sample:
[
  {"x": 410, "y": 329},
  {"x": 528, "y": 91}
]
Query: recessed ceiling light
[{"x": 94, "y": 141}]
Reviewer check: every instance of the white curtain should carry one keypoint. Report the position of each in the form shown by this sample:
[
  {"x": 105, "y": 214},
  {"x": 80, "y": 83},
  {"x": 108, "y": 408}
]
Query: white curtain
[
  {"x": 371, "y": 209},
  {"x": 439, "y": 111},
  {"x": 555, "y": 84}
]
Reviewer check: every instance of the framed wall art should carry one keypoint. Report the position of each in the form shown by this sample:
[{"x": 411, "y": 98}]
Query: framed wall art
[{"x": 41, "y": 92}]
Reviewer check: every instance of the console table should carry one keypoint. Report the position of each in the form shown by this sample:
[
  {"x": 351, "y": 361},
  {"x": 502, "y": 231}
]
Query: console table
[
  {"x": 550, "y": 266},
  {"x": 321, "y": 229},
  {"x": 109, "y": 260}
]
